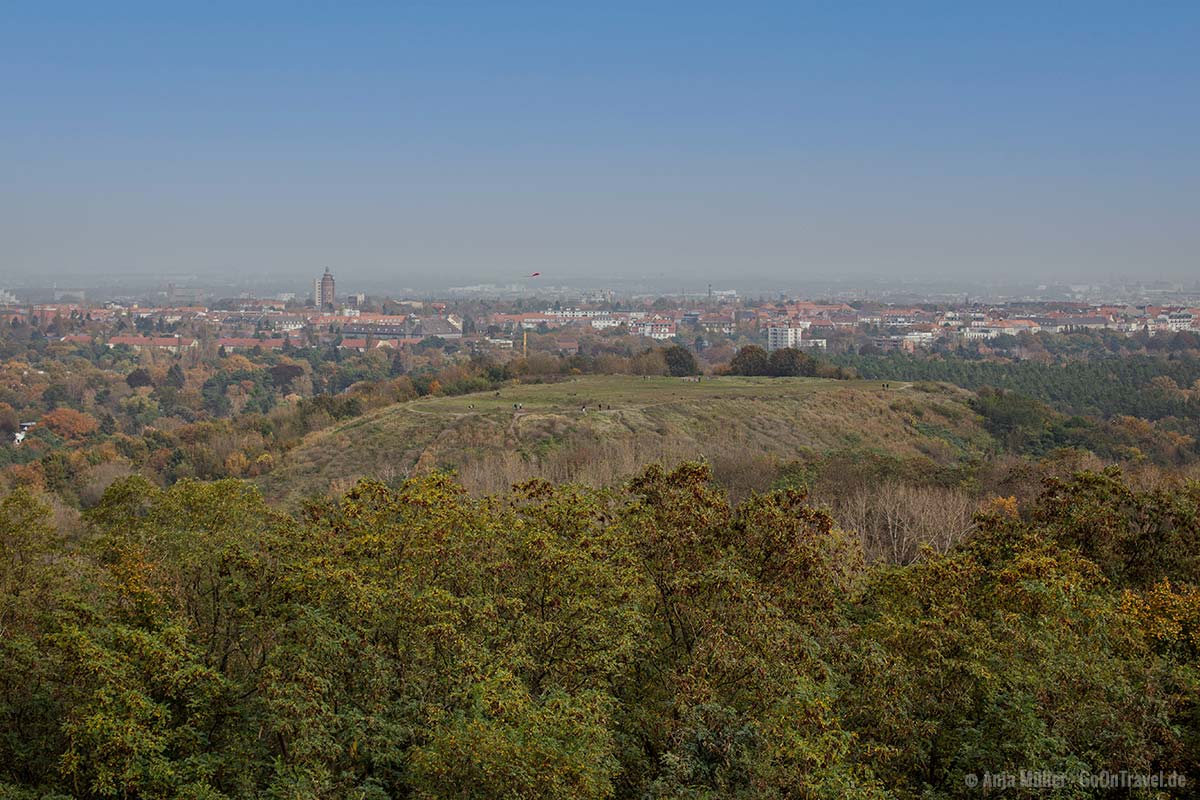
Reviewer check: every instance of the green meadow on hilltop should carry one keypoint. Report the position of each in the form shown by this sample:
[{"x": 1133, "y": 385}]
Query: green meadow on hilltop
[{"x": 493, "y": 439}]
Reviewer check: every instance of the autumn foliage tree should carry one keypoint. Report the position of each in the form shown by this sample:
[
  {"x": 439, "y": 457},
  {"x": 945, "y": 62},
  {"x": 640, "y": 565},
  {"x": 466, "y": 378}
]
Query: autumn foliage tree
[
  {"x": 649, "y": 641},
  {"x": 8, "y": 419},
  {"x": 70, "y": 424}
]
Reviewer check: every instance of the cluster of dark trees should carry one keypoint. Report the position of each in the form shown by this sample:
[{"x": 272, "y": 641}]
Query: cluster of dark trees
[
  {"x": 786, "y": 362},
  {"x": 1103, "y": 387},
  {"x": 1029, "y": 427},
  {"x": 652, "y": 641}
]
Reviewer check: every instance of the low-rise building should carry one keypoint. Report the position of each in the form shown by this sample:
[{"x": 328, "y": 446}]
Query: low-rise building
[
  {"x": 655, "y": 329},
  {"x": 172, "y": 344},
  {"x": 235, "y": 343}
]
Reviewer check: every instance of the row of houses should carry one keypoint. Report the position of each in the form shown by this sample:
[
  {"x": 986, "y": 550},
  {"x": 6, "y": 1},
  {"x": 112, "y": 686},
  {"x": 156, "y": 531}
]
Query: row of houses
[
  {"x": 782, "y": 324},
  {"x": 920, "y": 329},
  {"x": 181, "y": 344},
  {"x": 659, "y": 325}
]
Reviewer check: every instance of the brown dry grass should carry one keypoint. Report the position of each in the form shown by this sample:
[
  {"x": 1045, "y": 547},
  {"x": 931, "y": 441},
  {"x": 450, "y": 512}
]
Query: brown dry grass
[{"x": 744, "y": 426}]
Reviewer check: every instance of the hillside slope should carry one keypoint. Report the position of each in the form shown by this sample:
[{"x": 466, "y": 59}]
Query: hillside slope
[{"x": 628, "y": 422}]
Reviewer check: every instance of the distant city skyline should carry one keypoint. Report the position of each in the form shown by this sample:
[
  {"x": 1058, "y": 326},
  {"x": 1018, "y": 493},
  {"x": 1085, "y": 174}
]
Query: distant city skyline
[{"x": 764, "y": 143}]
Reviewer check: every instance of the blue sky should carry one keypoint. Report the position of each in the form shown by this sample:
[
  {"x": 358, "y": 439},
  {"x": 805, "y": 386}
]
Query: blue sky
[{"x": 700, "y": 140}]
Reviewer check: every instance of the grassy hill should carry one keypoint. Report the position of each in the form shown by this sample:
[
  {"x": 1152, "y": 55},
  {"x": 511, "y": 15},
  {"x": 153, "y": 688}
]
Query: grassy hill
[{"x": 739, "y": 424}]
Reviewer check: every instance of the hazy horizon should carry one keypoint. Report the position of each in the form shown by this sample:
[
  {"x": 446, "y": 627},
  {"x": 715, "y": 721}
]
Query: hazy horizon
[{"x": 692, "y": 142}]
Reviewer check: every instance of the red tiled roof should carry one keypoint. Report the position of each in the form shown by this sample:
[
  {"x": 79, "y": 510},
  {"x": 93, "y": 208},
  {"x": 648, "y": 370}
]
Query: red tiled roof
[
  {"x": 152, "y": 341},
  {"x": 249, "y": 343}
]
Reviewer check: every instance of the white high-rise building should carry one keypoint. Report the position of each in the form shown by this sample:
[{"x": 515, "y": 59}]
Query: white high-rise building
[{"x": 779, "y": 338}]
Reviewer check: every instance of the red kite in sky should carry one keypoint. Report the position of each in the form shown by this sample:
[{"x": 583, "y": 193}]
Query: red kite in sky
[{"x": 534, "y": 275}]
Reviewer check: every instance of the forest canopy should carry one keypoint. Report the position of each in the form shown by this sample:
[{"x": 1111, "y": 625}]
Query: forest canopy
[{"x": 651, "y": 640}]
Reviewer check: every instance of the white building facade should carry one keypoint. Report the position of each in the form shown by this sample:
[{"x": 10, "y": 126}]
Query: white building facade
[{"x": 779, "y": 338}]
